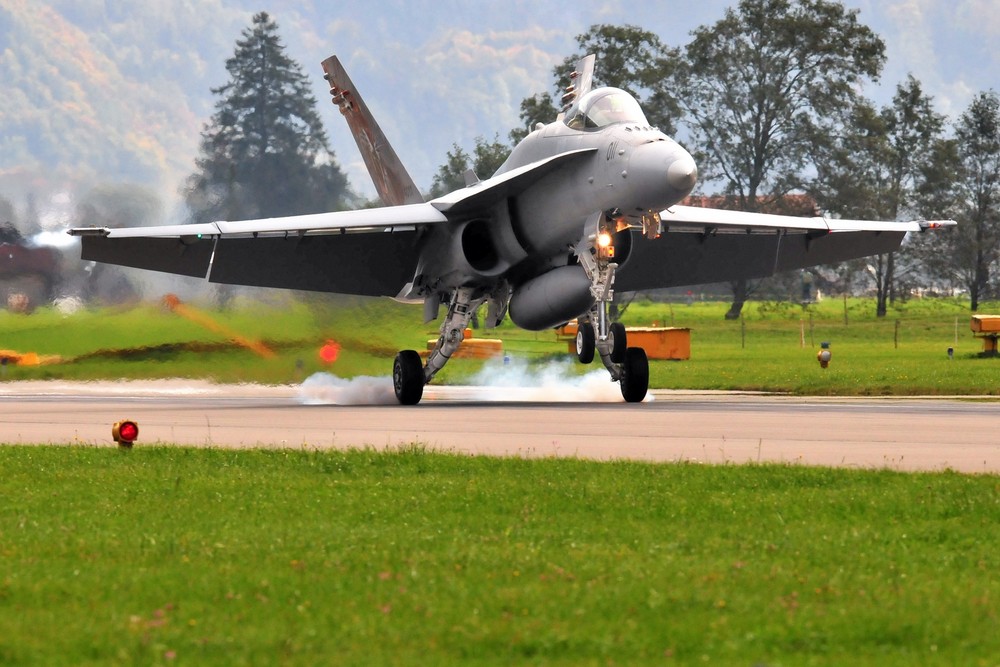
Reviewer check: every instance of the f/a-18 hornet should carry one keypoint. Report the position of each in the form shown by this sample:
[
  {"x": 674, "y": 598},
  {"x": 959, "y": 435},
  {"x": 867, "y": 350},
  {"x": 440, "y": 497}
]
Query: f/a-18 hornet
[{"x": 584, "y": 205}]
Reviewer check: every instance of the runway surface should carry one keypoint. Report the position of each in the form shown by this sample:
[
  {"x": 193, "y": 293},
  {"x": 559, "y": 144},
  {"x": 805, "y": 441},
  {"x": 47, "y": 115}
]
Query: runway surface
[{"x": 901, "y": 434}]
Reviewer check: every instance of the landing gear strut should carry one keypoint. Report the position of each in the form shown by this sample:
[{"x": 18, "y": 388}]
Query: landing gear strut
[
  {"x": 628, "y": 365},
  {"x": 409, "y": 375}
]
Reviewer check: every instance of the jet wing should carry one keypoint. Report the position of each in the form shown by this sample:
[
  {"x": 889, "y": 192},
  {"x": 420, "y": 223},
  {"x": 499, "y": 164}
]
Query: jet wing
[
  {"x": 369, "y": 252},
  {"x": 703, "y": 245}
]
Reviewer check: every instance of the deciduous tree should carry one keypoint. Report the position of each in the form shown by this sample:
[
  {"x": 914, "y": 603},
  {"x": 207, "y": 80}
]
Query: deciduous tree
[
  {"x": 487, "y": 156},
  {"x": 876, "y": 166},
  {"x": 760, "y": 85},
  {"x": 964, "y": 181}
]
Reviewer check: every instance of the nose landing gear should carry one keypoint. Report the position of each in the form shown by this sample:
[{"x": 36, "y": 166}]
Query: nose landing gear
[{"x": 628, "y": 365}]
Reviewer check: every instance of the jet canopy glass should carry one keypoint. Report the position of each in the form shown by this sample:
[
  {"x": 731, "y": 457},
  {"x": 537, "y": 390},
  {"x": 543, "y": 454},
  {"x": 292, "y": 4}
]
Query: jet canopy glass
[{"x": 603, "y": 107}]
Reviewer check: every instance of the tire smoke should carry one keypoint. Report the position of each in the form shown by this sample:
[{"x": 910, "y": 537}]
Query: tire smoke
[
  {"x": 512, "y": 379},
  {"x": 501, "y": 380},
  {"x": 328, "y": 389}
]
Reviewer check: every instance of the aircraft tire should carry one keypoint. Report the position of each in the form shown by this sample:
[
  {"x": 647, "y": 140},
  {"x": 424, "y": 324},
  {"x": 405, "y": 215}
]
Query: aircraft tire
[
  {"x": 619, "y": 342},
  {"x": 635, "y": 375},
  {"x": 408, "y": 377},
  {"x": 585, "y": 342}
]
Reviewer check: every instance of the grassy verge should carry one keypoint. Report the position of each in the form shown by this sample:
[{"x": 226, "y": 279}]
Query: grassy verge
[
  {"x": 773, "y": 348},
  {"x": 166, "y": 555}
]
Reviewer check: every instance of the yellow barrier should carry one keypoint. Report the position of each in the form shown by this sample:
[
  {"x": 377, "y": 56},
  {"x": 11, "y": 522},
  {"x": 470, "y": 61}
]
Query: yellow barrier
[
  {"x": 673, "y": 343},
  {"x": 28, "y": 358},
  {"x": 986, "y": 327},
  {"x": 474, "y": 348}
]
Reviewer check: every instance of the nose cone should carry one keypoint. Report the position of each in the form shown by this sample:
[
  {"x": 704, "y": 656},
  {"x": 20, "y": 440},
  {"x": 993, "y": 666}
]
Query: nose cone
[
  {"x": 661, "y": 174},
  {"x": 682, "y": 174}
]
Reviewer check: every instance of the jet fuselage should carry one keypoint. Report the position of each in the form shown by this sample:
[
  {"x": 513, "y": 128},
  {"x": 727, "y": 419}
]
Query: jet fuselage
[{"x": 616, "y": 165}]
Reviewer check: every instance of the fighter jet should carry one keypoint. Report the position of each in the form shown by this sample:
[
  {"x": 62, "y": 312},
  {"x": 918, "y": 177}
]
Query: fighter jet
[{"x": 585, "y": 205}]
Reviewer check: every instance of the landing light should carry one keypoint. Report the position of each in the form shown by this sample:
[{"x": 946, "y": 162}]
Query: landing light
[{"x": 603, "y": 240}]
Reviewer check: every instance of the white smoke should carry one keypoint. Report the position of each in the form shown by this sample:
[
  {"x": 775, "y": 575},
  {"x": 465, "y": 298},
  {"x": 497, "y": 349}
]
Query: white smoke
[
  {"x": 507, "y": 379},
  {"x": 512, "y": 379},
  {"x": 327, "y": 389}
]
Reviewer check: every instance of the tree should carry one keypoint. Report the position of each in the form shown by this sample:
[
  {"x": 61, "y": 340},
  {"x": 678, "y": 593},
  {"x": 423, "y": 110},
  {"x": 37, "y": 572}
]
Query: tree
[
  {"x": 536, "y": 109},
  {"x": 759, "y": 86},
  {"x": 875, "y": 169},
  {"x": 489, "y": 156},
  {"x": 486, "y": 159},
  {"x": 451, "y": 175},
  {"x": 964, "y": 181},
  {"x": 264, "y": 152}
]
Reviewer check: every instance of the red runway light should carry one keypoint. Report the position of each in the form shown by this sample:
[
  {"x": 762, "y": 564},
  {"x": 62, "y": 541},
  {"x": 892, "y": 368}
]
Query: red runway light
[
  {"x": 329, "y": 352},
  {"x": 125, "y": 432}
]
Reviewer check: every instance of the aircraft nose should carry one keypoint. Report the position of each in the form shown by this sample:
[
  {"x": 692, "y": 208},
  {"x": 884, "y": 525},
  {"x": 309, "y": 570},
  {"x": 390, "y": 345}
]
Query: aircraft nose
[
  {"x": 682, "y": 174},
  {"x": 661, "y": 174}
]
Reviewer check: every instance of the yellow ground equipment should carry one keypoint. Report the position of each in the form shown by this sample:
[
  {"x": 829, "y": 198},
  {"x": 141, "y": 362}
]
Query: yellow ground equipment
[
  {"x": 673, "y": 343},
  {"x": 987, "y": 327}
]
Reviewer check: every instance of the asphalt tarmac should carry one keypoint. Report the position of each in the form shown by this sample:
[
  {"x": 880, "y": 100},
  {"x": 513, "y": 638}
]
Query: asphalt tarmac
[{"x": 704, "y": 427}]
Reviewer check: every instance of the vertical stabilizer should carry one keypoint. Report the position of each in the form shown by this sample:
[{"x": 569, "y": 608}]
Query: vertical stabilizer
[
  {"x": 585, "y": 75},
  {"x": 581, "y": 80},
  {"x": 392, "y": 182}
]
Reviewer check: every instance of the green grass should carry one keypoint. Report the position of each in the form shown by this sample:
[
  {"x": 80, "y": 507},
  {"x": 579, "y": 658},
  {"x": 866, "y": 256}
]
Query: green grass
[
  {"x": 169, "y": 555},
  {"x": 904, "y": 353},
  {"x": 774, "y": 349}
]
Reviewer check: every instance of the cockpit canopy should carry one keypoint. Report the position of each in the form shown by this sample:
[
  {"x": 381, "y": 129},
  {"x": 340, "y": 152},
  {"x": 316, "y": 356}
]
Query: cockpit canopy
[{"x": 603, "y": 107}]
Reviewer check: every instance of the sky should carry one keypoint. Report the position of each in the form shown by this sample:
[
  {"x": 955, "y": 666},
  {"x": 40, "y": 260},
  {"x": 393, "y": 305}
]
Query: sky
[{"x": 99, "y": 91}]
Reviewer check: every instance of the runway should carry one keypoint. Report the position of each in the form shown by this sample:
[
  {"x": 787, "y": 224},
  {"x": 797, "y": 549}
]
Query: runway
[{"x": 900, "y": 434}]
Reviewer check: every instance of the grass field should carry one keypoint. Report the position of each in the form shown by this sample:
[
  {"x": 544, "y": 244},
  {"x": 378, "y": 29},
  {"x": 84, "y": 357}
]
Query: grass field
[
  {"x": 773, "y": 348},
  {"x": 181, "y": 556}
]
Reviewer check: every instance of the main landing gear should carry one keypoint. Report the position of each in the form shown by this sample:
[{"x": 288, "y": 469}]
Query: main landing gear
[
  {"x": 410, "y": 374},
  {"x": 628, "y": 365}
]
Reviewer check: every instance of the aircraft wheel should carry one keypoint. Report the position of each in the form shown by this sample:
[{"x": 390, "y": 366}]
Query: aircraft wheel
[
  {"x": 635, "y": 375},
  {"x": 619, "y": 342},
  {"x": 408, "y": 377},
  {"x": 585, "y": 342}
]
